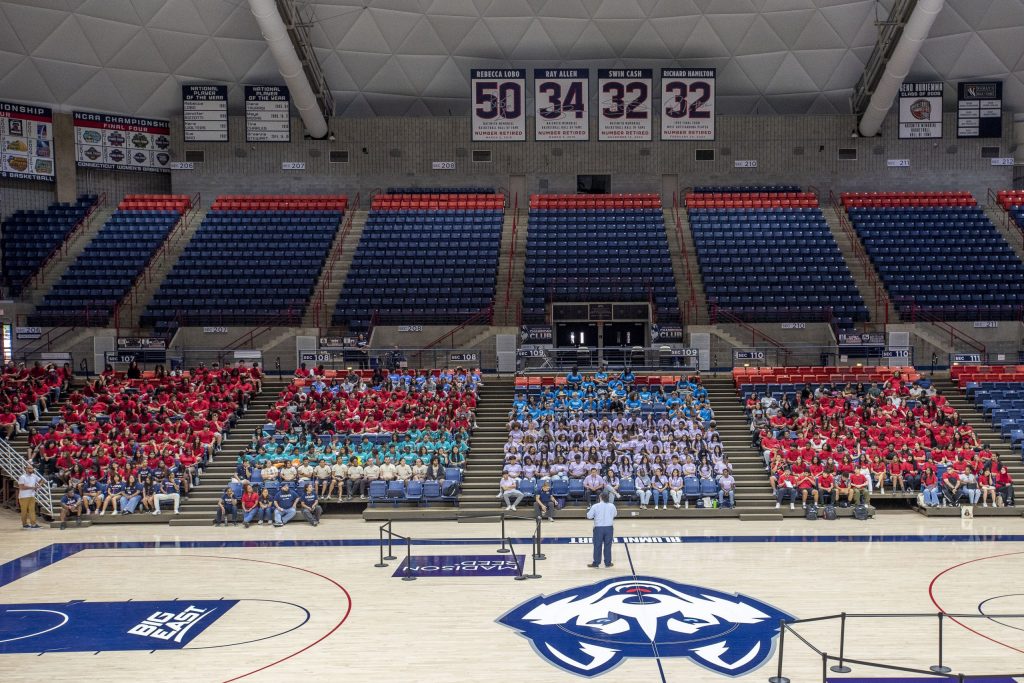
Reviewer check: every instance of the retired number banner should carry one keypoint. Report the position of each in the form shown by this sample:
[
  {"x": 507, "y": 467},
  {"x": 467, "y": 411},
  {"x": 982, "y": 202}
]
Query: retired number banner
[
  {"x": 625, "y": 104},
  {"x": 561, "y": 97},
  {"x": 687, "y": 104},
  {"x": 499, "y": 104}
]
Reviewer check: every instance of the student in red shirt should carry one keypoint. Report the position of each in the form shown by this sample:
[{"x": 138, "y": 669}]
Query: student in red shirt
[
  {"x": 826, "y": 488},
  {"x": 859, "y": 488},
  {"x": 805, "y": 484}
]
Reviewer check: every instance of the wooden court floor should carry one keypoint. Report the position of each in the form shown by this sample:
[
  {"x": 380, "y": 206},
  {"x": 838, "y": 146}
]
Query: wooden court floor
[{"x": 684, "y": 602}]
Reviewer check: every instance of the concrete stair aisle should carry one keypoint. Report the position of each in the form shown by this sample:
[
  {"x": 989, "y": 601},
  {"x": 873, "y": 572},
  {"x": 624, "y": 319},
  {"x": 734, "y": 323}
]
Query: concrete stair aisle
[
  {"x": 335, "y": 271},
  {"x": 53, "y": 270},
  {"x": 141, "y": 294},
  {"x": 681, "y": 255},
  {"x": 507, "y": 315},
  {"x": 863, "y": 273},
  {"x": 201, "y": 506},
  {"x": 1008, "y": 229},
  {"x": 487, "y": 456}
]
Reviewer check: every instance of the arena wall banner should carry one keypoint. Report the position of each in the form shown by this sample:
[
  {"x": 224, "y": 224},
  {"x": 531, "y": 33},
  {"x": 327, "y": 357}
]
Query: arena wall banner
[
  {"x": 26, "y": 142},
  {"x": 562, "y": 99},
  {"x": 499, "y": 104},
  {"x": 979, "y": 112},
  {"x": 687, "y": 104},
  {"x": 204, "y": 110},
  {"x": 267, "y": 113},
  {"x": 920, "y": 110},
  {"x": 121, "y": 143},
  {"x": 624, "y": 104}
]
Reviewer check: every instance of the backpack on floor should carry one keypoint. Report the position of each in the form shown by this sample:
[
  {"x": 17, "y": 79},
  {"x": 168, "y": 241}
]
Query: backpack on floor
[
  {"x": 830, "y": 512},
  {"x": 860, "y": 512},
  {"x": 811, "y": 513}
]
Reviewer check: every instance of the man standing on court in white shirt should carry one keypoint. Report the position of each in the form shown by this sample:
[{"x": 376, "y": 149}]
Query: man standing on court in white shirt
[
  {"x": 603, "y": 513},
  {"x": 28, "y": 483}
]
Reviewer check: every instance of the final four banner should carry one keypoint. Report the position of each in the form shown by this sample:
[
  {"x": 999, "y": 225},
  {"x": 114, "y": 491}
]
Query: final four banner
[
  {"x": 562, "y": 98},
  {"x": 122, "y": 143},
  {"x": 499, "y": 104},
  {"x": 687, "y": 104},
  {"x": 624, "y": 97},
  {"x": 26, "y": 142}
]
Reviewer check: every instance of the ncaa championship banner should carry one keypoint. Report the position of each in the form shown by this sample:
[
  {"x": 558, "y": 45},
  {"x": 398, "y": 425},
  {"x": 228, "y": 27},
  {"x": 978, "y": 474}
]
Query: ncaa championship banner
[
  {"x": 687, "y": 104},
  {"x": 561, "y": 97},
  {"x": 499, "y": 104},
  {"x": 26, "y": 142},
  {"x": 624, "y": 111},
  {"x": 122, "y": 143},
  {"x": 921, "y": 110}
]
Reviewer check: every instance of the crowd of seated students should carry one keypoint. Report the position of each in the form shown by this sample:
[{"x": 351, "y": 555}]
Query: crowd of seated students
[
  {"x": 25, "y": 394},
  {"x": 837, "y": 444},
  {"x": 127, "y": 442},
  {"x": 344, "y": 434},
  {"x": 608, "y": 432}
]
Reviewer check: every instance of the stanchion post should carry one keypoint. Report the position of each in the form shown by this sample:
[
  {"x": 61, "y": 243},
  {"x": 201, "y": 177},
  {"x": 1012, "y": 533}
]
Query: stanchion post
[
  {"x": 840, "y": 668},
  {"x": 779, "y": 678},
  {"x": 824, "y": 667},
  {"x": 533, "y": 573},
  {"x": 408, "y": 561},
  {"x": 537, "y": 554},
  {"x": 380, "y": 545},
  {"x": 519, "y": 564},
  {"x": 940, "y": 668},
  {"x": 391, "y": 553},
  {"x": 503, "y": 549}
]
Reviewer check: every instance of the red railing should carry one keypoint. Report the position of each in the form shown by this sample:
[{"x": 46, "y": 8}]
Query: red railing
[
  {"x": 319, "y": 297},
  {"x": 287, "y": 318},
  {"x": 880, "y": 296},
  {"x": 721, "y": 315},
  {"x": 482, "y": 317},
  {"x": 61, "y": 250},
  {"x": 511, "y": 256},
  {"x": 688, "y": 310}
]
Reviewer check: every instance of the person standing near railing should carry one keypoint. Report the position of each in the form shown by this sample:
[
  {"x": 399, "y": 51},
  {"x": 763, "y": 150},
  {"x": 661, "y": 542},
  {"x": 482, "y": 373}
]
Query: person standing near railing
[{"x": 28, "y": 484}]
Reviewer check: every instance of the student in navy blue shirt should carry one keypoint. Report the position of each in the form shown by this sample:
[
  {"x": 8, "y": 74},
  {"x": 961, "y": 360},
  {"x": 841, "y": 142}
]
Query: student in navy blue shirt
[
  {"x": 227, "y": 508},
  {"x": 70, "y": 505},
  {"x": 164, "y": 491},
  {"x": 310, "y": 505},
  {"x": 284, "y": 505},
  {"x": 545, "y": 503}
]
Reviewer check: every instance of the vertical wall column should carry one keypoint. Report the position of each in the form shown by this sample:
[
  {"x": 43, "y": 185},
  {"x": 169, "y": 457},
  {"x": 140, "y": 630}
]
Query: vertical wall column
[{"x": 65, "y": 171}]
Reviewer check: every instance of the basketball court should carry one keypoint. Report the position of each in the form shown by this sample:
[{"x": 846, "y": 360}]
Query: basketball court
[{"x": 684, "y": 601}]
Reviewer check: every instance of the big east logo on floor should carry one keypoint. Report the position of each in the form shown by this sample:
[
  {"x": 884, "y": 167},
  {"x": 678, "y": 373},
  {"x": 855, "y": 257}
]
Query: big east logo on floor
[{"x": 591, "y": 629}]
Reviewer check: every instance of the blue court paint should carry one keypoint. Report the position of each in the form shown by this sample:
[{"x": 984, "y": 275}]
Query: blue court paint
[
  {"x": 461, "y": 566},
  {"x": 79, "y": 626},
  {"x": 589, "y": 630},
  {"x": 938, "y": 679}
]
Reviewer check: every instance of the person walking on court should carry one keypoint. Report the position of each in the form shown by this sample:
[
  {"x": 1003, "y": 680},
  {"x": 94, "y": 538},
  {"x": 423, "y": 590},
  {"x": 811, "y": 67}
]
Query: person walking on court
[{"x": 603, "y": 513}]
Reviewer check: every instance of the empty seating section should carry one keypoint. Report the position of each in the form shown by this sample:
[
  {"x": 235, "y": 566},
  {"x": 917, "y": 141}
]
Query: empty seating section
[
  {"x": 770, "y": 256},
  {"x": 430, "y": 258},
  {"x": 1013, "y": 202},
  {"x": 731, "y": 189},
  {"x": 30, "y": 237},
  {"x": 254, "y": 259},
  {"x": 968, "y": 270},
  {"x": 998, "y": 392},
  {"x": 597, "y": 248},
  {"x": 90, "y": 289},
  {"x": 440, "y": 190},
  {"x": 155, "y": 202}
]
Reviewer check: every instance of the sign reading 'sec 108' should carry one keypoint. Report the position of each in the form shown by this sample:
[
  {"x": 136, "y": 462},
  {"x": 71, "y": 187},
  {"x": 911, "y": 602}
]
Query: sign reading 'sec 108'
[
  {"x": 624, "y": 104},
  {"x": 499, "y": 104},
  {"x": 561, "y": 97}
]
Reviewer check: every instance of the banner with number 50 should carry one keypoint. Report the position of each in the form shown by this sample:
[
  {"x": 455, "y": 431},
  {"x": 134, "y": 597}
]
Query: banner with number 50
[
  {"x": 499, "y": 104},
  {"x": 687, "y": 104},
  {"x": 562, "y": 97}
]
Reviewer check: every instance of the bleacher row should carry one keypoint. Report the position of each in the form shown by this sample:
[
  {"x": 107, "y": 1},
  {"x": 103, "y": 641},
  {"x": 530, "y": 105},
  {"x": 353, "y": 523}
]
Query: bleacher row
[
  {"x": 998, "y": 392},
  {"x": 30, "y": 237}
]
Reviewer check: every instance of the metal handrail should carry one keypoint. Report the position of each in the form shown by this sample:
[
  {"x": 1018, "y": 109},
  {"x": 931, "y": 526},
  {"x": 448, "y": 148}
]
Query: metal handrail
[
  {"x": 319, "y": 298},
  {"x": 878, "y": 289},
  {"x": 924, "y": 315},
  {"x": 691, "y": 304},
  {"x": 511, "y": 254},
  {"x": 13, "y": 465},
  {"x": 34, "y": 279}
]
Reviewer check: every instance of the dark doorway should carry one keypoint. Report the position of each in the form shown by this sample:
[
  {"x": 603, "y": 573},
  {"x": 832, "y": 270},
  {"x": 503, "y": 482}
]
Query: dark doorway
[
  {"x": 574, "y": 335},
  {"x": 593, "y": 184},
  {"x": 625, "y": 334}
]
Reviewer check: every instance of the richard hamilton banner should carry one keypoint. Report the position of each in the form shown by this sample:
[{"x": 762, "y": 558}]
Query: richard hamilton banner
[
  {"x": 979, "y": 109},
  {"x": 687, "y": 104},
  {"x": 561, "y": 97},
  {"x": 499, "y": 104},
  {"x": 122, "y": 143},
  {"x": 921, "y": 110},
  {"x": 624, "y": 104},
  {"x": 26, "y": 142}
]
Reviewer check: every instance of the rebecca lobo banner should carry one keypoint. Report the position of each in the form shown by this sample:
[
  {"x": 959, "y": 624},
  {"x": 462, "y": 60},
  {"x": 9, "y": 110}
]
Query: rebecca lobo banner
[
  {"x": 979, "y": 112},
  {"x": 267, "y": 113},
  {"x": 921, "y": 110},
  {"x": 26, "y": 142},
  {"x": 624, "y": 104},
  {"x": 499, "y": 104},
  {"x": 561, "y": 98},
  {"x": 204, "y": 111},
  {"x": 687, "y": 104},
  {"x": 122, "y": 143}
]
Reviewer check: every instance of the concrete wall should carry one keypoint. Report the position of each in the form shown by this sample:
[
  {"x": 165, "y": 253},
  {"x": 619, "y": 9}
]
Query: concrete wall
[
  {"x": 398, "y": 151},
  {"x": 24, "y": 194}
]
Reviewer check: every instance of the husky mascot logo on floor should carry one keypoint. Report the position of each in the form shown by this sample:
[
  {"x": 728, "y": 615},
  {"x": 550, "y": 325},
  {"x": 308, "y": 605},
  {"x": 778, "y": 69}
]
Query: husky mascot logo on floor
[{"x": 590, "y": 629}]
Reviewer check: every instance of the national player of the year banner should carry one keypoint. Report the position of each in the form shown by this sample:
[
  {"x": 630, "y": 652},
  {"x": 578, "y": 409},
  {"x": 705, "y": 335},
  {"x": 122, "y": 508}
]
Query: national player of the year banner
[
  {"x": 920, "y": 110},
  {"x": 624, "y": 104},
  {"x": 121, "y": 143},
  {"x": 561, "y": 97},
  {"x": 204, "y": 111},
  {"x": 687, "y": 104},
  {"x": 267, "y": 113},
  {"x": 26, "y": 142},
  {"x": 499, "y": 104},
  {"x": 979, "y": 111}
]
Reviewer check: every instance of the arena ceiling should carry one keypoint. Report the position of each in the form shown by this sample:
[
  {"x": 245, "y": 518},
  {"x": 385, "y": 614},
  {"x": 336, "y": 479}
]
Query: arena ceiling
[{"x": 412, "y": 57}]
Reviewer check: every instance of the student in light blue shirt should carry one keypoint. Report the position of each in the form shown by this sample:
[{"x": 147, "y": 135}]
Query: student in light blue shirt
[{"x": 603, "y": 515}]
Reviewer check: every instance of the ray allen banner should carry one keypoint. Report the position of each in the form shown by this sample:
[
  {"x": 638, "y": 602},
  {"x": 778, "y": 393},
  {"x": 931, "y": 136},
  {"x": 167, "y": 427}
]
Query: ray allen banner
[
  {"x": 499, "y": 104},
  {"x": 921, "y": 110},
  {"x": 26, "y": 142},
  {"x": 121, "y": 143},
  {"x": 624, "y": 97},
  {"x": 687, "y": 104},
  {"x": 562, "y": 97}
]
